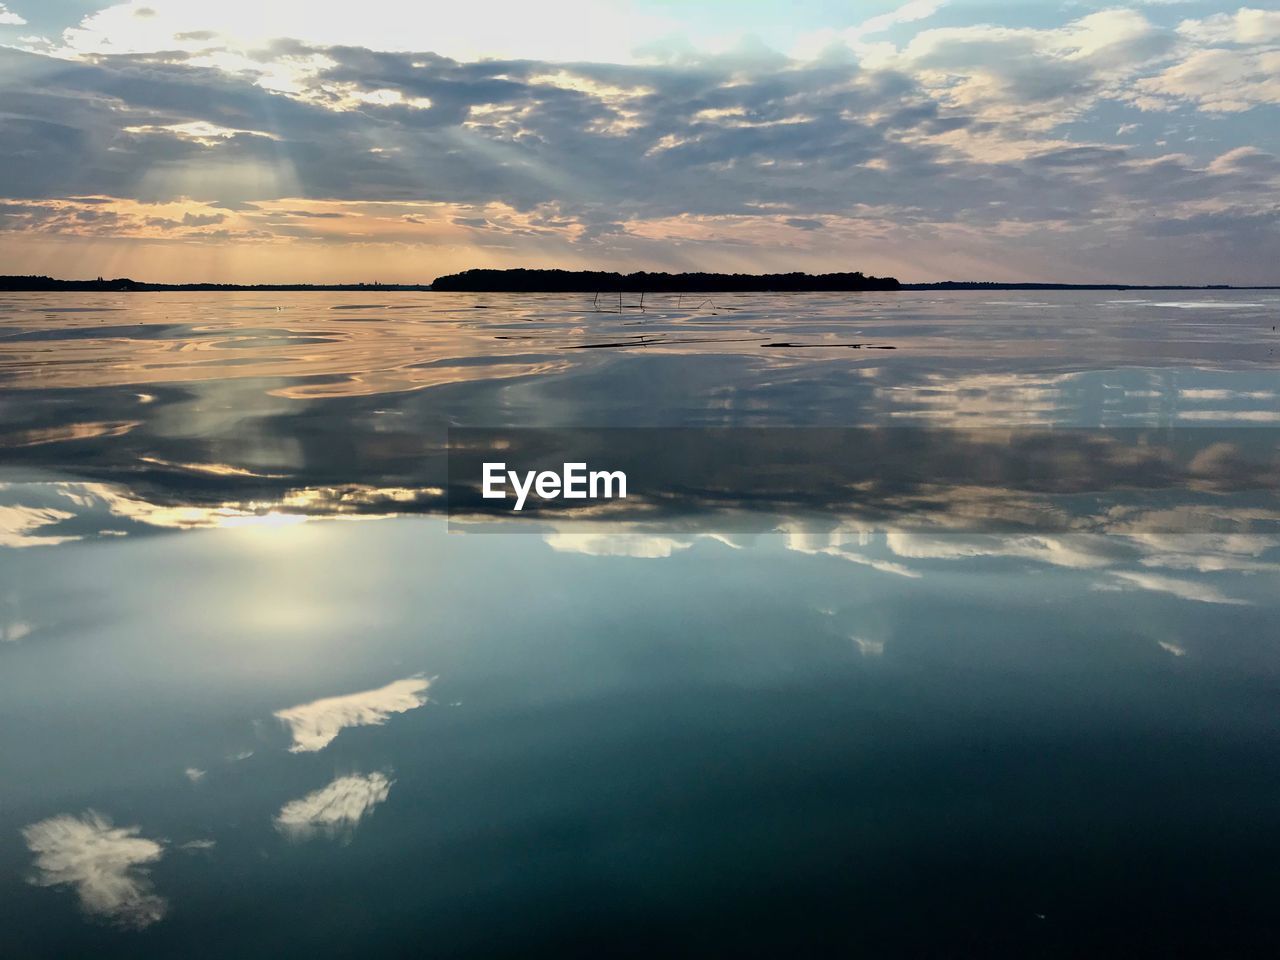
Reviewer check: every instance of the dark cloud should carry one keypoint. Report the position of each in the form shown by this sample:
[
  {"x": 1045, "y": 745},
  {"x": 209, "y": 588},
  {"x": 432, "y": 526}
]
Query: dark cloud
[
  {"x": 1236, "y": 223},
  {"x": 1078, "y": 157},
  {"x": 202, "y": 220}
]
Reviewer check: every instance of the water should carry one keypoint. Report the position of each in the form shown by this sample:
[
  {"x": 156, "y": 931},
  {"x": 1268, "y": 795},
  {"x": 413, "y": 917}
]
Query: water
[{"x": 235, "y": 722}]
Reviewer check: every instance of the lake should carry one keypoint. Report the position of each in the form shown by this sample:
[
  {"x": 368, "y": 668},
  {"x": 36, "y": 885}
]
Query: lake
[{"x": 261, "y": 696}]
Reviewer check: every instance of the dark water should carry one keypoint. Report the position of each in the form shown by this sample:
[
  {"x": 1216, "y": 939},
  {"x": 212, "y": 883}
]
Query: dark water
[{"x": 256, "y": 700}]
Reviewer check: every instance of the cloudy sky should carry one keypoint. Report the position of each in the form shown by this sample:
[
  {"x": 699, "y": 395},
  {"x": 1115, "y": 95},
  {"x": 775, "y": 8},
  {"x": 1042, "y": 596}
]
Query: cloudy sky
[{"x": 391, "y": 140}]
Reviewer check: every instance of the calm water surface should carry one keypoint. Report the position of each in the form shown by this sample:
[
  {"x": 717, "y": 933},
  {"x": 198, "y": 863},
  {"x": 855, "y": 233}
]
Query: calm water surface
[{"x": 256, "y": 700}]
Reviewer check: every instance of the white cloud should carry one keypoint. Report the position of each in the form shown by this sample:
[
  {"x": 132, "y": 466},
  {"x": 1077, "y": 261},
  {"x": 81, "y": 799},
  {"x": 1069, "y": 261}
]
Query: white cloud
[
  {"x": 843, "y": 542},
  {"x": 104, "y": 863},
  {"x": 1034, "y": 78},
  {"x": 907, "y": 13},
  {"x": 19, "y": 523},
  {"x": 315, "y": 724},
  {"x": 333, "y": 810},
  {"x": 1205, "y": 544},
  {"x": 812, "y": 44},
  {"x": 14, "y": 630},
  {"x": 1184, "y": 589},
  {"x": 1207, "y": 553},
  {"x": 869, "y": 648},
  {"x": 557, "y": 30},
  {"x": 599, "y": 544},
  {"x": 1218, "y": 80},
  {"x": 980, "y": 399},
  {"x": 1226, "y": 394},
  {"x": 1076, "y": 552},
  {"x": 884, "y": 566},
  {"x": 8, "y": 18},
  {"x": 1247, "y": 25},
  {"x": 1250, "y": 416},
  {"x": 1208, "y": 563}
]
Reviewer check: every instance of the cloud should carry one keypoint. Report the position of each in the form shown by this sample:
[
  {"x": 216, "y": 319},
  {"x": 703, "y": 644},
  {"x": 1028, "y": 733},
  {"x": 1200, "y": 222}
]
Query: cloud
[
  {"x": 1077, "y": 552},
  {"x": 8, "y": 18},
  {"x": 556, "y": 30},
  {"x": 1246, "y": 160},
  {"x": 106, "y": 865},
  {"x": 201, "y": 220},
  {"x": 1246, "y": 26},
  {"x": 845, "y": 543},
  {"x": 819, "y": 42},
  {"x": 1230, "y": 63},
  {"x": 907, "y": 13},
  {"x": 606, "y": 544},
  {"x": 20, "y": 525},
  {"x": 1218, "y": 80},
  {"x": 334, "y": 810},
  {"x": 982, "y": 138},
  {"x": 1238, "y": 554},
  {"x": 869, "y": 648},
  {"x": 1036, "y": 78},
  {"x": 314, "y": 725},
  {"x": 11, "y": 631},
  {"x": 1184, "y": 589}
]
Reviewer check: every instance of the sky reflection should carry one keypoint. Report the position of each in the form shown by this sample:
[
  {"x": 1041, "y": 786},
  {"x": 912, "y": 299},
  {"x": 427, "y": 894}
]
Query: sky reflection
[{"x": 961, "y": 720}]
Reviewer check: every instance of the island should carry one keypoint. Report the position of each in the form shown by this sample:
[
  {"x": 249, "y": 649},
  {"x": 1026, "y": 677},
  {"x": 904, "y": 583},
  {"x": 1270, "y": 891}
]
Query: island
[{"x": 599, "y": 281}]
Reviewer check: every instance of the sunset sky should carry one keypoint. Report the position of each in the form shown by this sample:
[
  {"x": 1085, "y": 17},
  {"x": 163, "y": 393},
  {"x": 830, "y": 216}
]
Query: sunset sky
[{"x": 249, "y": 141}]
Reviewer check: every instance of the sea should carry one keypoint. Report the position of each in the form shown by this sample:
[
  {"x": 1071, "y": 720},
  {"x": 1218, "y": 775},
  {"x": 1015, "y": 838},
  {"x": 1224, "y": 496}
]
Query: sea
[{"x": 264, "y": 694}]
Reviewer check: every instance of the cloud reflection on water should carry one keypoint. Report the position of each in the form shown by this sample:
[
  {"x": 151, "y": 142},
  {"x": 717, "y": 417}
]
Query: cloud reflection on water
[
  {"x": 334, "y": 810},
  {"x": 105, "y": 864},
  {"x": 1184, "y": 589},
  {"x": 314, "y": 725}
]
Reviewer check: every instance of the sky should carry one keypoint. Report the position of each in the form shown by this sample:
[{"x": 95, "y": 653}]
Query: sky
[{"x": 395, "y": 141}]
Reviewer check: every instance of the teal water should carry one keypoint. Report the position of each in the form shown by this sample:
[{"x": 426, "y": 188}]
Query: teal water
[{"x": 256, "y": 699}]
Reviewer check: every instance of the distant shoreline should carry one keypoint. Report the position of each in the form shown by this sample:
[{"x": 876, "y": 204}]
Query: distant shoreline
[
  {"x": 592, "y": 282},
  {"x": 602, "y": 281}
]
